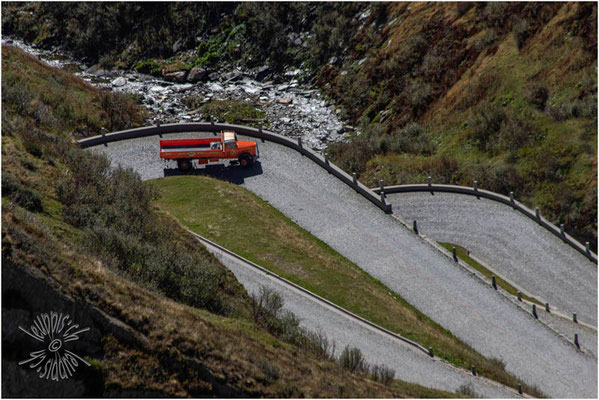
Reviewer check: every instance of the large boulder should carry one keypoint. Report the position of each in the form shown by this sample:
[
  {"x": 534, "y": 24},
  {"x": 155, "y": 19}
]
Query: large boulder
[
  {"x": 120, "y": 81},
  {"x": 197, "y": 74},
  {"x": 178, "y": 76}
]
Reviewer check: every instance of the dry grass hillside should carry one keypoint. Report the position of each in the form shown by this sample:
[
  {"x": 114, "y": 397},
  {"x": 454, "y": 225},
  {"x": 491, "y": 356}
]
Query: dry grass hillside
[{"x": 501, "y": 93}]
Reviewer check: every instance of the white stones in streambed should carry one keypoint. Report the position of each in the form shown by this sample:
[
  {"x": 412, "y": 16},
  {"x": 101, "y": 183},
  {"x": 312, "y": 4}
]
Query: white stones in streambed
[{"x": 291, "y": 109}]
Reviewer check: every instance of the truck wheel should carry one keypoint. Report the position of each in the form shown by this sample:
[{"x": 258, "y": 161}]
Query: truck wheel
[
  {"x": 184, "y": 165},
  {"x": 246, "y": 161}
]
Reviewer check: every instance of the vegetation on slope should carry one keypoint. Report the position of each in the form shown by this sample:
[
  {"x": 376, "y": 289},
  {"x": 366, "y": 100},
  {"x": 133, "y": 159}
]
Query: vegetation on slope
[
  {"x": 501, "y": 93},
  {"x": 167, "y": 318},
  {"x": 242, "y": 222}
]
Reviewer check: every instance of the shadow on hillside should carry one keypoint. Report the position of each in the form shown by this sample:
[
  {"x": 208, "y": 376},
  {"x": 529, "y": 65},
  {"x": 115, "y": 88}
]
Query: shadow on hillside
[{"x": 228, "y": 173}]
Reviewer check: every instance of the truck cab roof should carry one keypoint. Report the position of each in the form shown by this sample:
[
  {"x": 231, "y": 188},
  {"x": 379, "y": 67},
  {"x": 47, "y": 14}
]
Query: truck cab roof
[{"x": 229, "y": 137}]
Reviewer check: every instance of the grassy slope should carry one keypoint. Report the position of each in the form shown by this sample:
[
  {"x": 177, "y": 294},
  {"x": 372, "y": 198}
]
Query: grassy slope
[
  {"x": 245, "y": 224},
  {"x": 436, "y": 64},
  {"x": 182, "y": 340},
  {"x": 464, "y": 254},
  {"x": 556, "y": 170}
]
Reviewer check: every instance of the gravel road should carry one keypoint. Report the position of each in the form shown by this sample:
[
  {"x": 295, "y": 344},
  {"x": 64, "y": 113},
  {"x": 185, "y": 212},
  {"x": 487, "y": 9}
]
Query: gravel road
[
  {"x": 380, "y": 245},
  {"x": 513, "y": 245},
  {"x": 410, "y": 365}
]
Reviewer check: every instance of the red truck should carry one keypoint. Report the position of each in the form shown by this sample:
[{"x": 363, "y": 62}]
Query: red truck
[{"x": 214, "y": 149}]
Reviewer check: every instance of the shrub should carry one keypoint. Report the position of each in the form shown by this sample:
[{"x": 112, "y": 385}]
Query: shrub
[
  {"x": 484, "y": 124},
  {"x": 267, "y": 311},
  {"x": 537, "y": 95},
  {"x": 485, "y": 40},
  {"x": 321, "y": 345},
  {"x": 494, "y": 13},
  {"x": 413, "y": 50},
  {"x": 418, "y": 94},
  {"x": 467, "y": 390},
  {"x": 270, "y": 371},
  {"x": 352, "y": 360},
  {"x": 114, "y": 208},
  {"x": 521, "y": 31},
  {"x": 383, "y": 374},
  {"x": 149, "y": 66},
  {"x": 515, "y": 133},
  {"x": 433, "y": 64},
  {"x": 20, "y": 194},
  {"x": 586, "y": 108},
  {"x": 32, "y": 148},
  {"x": 409, "y": 139}
]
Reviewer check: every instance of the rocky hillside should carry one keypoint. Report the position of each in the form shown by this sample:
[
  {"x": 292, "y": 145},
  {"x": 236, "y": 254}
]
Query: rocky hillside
[
  {"x": 165, "y": 318},
  {"x": 501, "y": 93}
]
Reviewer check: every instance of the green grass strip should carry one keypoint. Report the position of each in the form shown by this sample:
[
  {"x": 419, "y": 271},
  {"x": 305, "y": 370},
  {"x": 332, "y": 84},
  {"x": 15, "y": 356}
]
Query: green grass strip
[
  {"x": 247, "y": 225},
  {"x": 463, "y": 254}
]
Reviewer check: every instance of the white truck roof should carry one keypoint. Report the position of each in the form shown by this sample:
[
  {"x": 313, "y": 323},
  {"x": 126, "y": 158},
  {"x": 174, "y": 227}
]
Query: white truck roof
[{"x": 229, "y": 137}]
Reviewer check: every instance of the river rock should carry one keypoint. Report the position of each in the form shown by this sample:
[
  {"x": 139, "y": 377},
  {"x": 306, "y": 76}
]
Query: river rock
[
  {"x": 233, "y": 76},
  {"x": 262, "y": 73},
  {"x": 285, "y": 100},
  {"x": 213, "y": 76},
  {"x": 120, "y": 81},
  {"x": 178, "y": 76},
  {"x": 197, "y": 74}
]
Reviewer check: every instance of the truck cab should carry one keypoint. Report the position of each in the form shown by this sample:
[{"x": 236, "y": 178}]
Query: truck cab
[{"x": 209, "y": 150}]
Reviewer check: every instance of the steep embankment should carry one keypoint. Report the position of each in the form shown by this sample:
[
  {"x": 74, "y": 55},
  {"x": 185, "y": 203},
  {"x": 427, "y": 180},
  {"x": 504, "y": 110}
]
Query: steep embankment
[{"x": 166, "y": 318}]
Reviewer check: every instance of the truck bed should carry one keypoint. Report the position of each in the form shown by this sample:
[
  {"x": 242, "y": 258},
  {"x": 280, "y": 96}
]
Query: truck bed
[{"x": 186, "y": 145}]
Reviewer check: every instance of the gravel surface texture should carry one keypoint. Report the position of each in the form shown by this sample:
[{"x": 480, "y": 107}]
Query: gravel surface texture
[
  {"x": 380, "y": 245},
  {"x": 511, "y": 244},
  {"x": 410, "y": 365}
]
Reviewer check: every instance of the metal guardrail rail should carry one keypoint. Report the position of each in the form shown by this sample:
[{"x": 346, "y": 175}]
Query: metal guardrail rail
[{"x": 510, "y": 201}]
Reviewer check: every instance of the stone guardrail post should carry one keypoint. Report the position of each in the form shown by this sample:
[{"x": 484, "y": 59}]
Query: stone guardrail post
[
  {"x": 415, "y": 227},
  {"x": 534, "y": 311},
  {"x": 576, "y": 341},
  {"x": 493, "y": 282}
]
